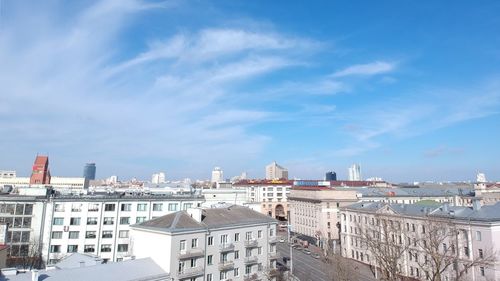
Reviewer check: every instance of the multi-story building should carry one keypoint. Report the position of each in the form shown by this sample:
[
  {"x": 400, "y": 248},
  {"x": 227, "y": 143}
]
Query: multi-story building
[
  {"x": 158, "y": 178},
  {"x": 95, "y": 224},
  {"x": 89, "y": 171},
  {"x": 276, "y": 172},
  {"x": 314, "y": 210},
  {"x": 230, "y": 243},
  {"x": 217, "y": 175},
  {"x": 7, "y": 174},
  {"x": 271, "y": 194},
  {"x": 425, "y": 238},
  {"x": 354, "y": 172}
]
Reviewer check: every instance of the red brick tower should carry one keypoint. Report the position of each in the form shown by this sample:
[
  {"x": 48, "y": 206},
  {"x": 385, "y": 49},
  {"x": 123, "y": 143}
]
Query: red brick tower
[{"x": 41, "y": 173}]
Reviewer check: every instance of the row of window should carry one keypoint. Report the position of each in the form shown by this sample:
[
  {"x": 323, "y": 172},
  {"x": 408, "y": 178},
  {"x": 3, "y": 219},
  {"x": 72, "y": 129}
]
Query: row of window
[
  {"x": 89, "y": 248},
  {"x": 93, "y": 220},
  {"x": 89, "y": 234},
  {"x": 124, "y": 207},
  {"x": 16, "y": 222},
  {"x": 17, "y": 209}
]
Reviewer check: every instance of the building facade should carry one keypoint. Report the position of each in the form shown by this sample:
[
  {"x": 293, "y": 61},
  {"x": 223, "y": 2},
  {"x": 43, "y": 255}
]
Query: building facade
[
  {"x": 452, "y": 239},
  {"x": 276, "y": 172},
  {"x": 217, "y": 175},
  {"x": 354, "y": 172},
  {"x": 231, "y": 243},
  {"x": 89, "y": 171}
]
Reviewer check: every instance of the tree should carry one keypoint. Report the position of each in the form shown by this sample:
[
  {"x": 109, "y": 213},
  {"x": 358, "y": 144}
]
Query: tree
[
  {"x": 439, "y": 243},
  {"x": 383, "y": 240},
  {"x": 30, "y": 256},
  {"x": 338, "y": 268}
]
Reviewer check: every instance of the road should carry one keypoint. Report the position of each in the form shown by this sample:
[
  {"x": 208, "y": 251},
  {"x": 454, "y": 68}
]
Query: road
[{"x": 307, "y": 268}]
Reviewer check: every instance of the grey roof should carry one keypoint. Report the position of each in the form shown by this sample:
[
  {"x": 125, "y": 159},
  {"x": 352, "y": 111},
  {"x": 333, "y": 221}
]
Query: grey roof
[
  {"x": 489, "y": 213},
  {"x": 211, "y": 218},
  {"x": 131, "y": 270},
  {"x": 411, "y": 192}
]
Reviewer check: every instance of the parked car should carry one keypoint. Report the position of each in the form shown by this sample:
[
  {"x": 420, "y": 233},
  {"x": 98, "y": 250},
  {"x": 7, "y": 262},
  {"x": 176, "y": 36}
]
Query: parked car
[
  {"x": 315, "y": 255},
  {"x": 307, "y": 252},
  {"x": 282, "y": 240}
]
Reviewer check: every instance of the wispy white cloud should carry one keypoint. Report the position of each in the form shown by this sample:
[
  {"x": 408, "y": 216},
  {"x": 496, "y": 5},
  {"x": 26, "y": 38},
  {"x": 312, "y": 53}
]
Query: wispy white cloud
[{"x": 369, "y": 69}]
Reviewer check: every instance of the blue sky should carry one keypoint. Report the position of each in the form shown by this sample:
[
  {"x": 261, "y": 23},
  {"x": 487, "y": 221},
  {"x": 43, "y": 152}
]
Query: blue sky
[{"x": 410, "y": 90}]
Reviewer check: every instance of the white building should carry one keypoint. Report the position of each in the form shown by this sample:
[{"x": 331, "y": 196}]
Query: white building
[
  {"x": 217, "y": 175},
  {"x": 7, "y": 174},
  {"x": 463, "y": 235},
  {"x": 232, "y": 243},
  {"x": 231, "y": 196},
  {"x": 158, "y": 178},
  {"x": 275, "y": 171},
  {"x": 354, "y": 172}
]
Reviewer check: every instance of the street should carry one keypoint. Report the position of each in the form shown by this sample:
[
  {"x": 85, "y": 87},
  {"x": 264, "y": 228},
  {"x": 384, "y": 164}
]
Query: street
[{"x": 307, "y": 268}]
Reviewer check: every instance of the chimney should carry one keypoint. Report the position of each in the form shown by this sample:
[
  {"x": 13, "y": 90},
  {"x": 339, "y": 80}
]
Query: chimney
[
  {"x": 34, "y": 275},
  {"x": 476, "y": 204}
]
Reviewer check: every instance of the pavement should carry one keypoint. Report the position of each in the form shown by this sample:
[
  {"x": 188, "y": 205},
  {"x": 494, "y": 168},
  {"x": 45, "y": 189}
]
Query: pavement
[{"x": 307, "y": 268}]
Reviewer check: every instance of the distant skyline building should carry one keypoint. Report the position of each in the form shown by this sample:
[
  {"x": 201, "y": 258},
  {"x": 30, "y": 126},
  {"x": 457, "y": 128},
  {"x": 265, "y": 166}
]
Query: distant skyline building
[
  {"x": 40, "y": 173},
  {"x": 158, "y": 178},
  {"x": 7, "y": 174},
  {"x": 354, "y": 172},
  {"x": 89, "y": 171},
  {"x": 275, "y": 171},
  {"x": 217, "y": 175},
  {"x": 331, "y": 176}
]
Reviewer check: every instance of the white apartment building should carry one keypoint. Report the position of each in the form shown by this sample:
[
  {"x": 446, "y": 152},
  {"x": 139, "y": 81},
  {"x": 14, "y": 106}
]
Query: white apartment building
[
  {"x": 231, "y": 243},
  {"x": 94, "y": 224},
  {"x": 276, "y": 172},
  {"x": 7, "y": 174},
  {"x": 217, "y": 175},
  {"x": 354, "y": 172},
  {"x": 474, "y": 233},
  {"x": 271, "y": 194},
  {"x": 158, "y": 178},
  {"x": 314, "y": 210}
]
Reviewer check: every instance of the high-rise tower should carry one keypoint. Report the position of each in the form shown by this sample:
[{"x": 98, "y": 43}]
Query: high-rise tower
[
  {"x": 40, "y": 173},
  {"x": 89, "y": 171}
]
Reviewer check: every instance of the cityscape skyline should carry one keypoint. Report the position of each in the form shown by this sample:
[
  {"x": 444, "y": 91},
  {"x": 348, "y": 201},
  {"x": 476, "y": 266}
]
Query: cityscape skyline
[{"x": 166, "y": 87}]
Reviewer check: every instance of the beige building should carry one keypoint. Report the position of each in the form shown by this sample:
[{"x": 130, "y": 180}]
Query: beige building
[{"x": 276, "y": 172}]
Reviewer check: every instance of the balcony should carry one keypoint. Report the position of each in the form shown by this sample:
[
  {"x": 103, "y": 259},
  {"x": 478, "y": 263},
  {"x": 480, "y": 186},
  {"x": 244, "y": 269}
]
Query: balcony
[
  {"x": 191, "y": 272},
  {"x": 251, "y": 243},
  {"x": 191, "y": 253},
  {"x": 273, "y": 255},
  {"x": 226, "y": 265},
  {"x": 227, "y": 247},
  {"x": 273, "y": 240},
  {"x": 251, "y": 260}
]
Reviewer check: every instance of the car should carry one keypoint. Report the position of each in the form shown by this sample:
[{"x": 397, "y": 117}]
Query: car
[
  {"x": 307, "y": 252},
  {"x": 282, "y": 240},
  {"x": 296, "y": 246},
  {"x": 315, "y": 255}
]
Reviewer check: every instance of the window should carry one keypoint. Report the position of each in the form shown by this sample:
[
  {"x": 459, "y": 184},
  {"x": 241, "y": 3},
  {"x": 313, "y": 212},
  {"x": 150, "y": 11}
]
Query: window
[
  {"x": 182, "y": 245},
  {"x": 142, "y": 207},
  {"x": 248, "y": 253},
  {"x": 466, "y": 251},
  {"x": 75, "y": 207},
  {"x": 223, "y": 275},
  {"x": 58, "y": 221},
  {"x": 109, "y": 220},
  {"x": 90, "y": 234},
  {"x": 94, "y": 207},
  {"x": 236, "y": 255},
  {"x": 59, "y": 207},
  {"x": 109, "y": 207},
  {"x": 481, "y": 269},
  {"x": 478, "y": 235},
  {"x": 126, "y": 207},
  {"x": 91, "y": 221},
  {"x": 122, "y": 248},
  {"x": 140, "y": 219},
  {"x": 89, "y": 248},
  {"x": 248, "y": 236},
  {"x": 209, "y": 260},
  {"x": 194, "y": 243},
  {"x": 72, "y": 248},
  {"x": 56, "y": 234},
  {"x": 193, "y": 262},
  {"x": 259, "y": 234},
  {"x": 223, "y": 257},
  {"x": 248, "y": 269},
  {"x": 187, "y": 206},
  {"x": 209, "y": 277},
  {"x": 158, "y": 207},
  {"x": 125, "y": 220},
  {"x": 481, "y": 253},
  {"x": 123, "y": 234},
  {"x": 55, "y": 248},
  {"x": 271, "y": 232},
  {"x": 259, "y": 250},
  {"x": 74, "y": 234},
  {"x": 236, "y": 237},
  {"x": 172, "y": 206},
  {"x": 223, "y": 239},
  {"x": 106, "y": 248},
  {"x": 107, "y": 234}
]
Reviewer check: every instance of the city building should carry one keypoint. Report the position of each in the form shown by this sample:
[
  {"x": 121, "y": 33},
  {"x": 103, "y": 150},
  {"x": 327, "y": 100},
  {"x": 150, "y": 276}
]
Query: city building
[
  {"x": 89, "y": 171},
  {"x": 217, "y": 196},
  {"x": 331, "y": 176},
  {"x": 93, "y": 224},
  {"x": 452, "y": 239},
  {"x": 354, "y": 172},
  {"x": 158, "y": 178},
  {"x": 217, "y": 175},
  {"x": 7, "y": 174},
  {"x": 229, "y": 243},
  {"x": 40, "y": 173},
  {"x": 270, "y": 194},
  {"x": 276, "y": 172}
]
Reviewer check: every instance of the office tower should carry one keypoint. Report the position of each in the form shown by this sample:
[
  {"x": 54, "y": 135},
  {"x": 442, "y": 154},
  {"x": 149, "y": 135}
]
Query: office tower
[
  {"x": 331, "y": 176},
  {"x": 275, "y": 171},
  {"x": 158, "y": 178},
  {"x": 89, "y": 171},
  {"x": 217, "y": 175},
  {"x": 40, "y": 173},
  {"x": 355, "y": 172}
]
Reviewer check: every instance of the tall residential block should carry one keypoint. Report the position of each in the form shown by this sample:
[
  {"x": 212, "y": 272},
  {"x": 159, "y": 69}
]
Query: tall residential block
[
  {"x": 89, "y": 171},
  {"x": 275, "y": 171}
]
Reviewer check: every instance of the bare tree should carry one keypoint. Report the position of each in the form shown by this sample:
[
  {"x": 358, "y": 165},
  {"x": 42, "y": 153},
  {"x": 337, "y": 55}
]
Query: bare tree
[
  {"x": 440, "y": 242},
  {"x": 29, "y": 257},
  {"x": 338, "y": 268},
  {"x": 383, "y": 239},
  {"x": 274, "y": 274}
]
